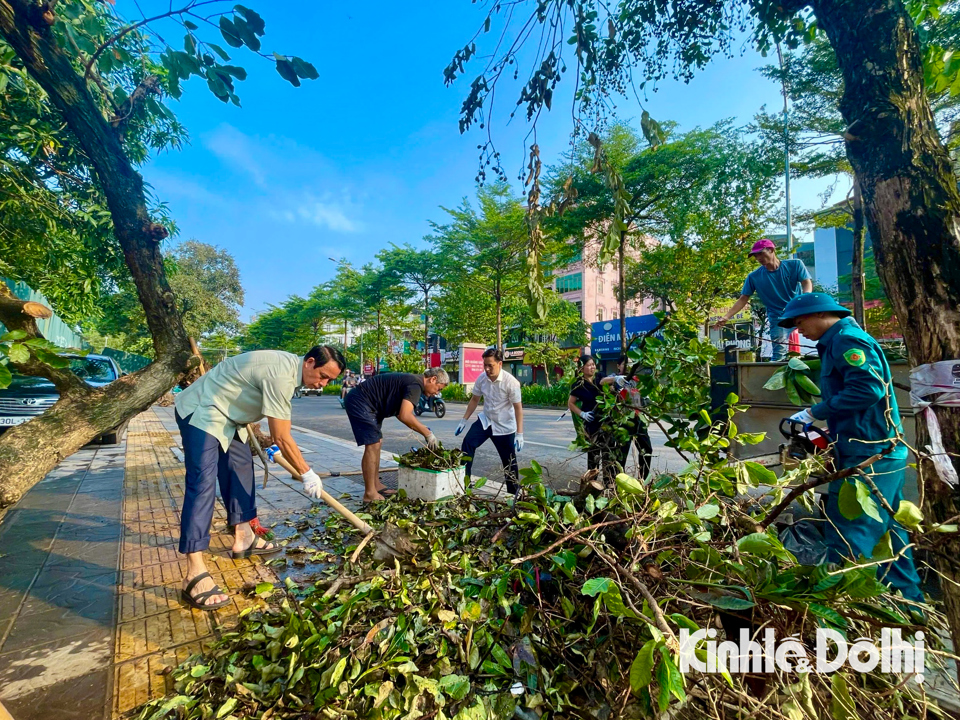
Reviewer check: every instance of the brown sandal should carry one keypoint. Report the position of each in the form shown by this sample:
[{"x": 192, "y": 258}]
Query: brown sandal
[{"x": 197, "y": 601}]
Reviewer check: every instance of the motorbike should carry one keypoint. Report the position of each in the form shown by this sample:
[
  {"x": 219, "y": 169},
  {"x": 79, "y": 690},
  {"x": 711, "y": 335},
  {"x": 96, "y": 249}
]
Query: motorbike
[{"x": 433, "y": 403}]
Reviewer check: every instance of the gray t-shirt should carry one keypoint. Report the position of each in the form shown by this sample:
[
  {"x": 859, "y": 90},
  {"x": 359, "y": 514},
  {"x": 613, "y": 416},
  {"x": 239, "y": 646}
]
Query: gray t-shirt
[
  {"x": 779, "y": 287},
  {"x": 241, "y": 390}
]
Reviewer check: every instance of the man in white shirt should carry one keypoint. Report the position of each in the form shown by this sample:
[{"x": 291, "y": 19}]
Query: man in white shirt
[
  {"x": 212, "y": 415},
  {"x": 501, "y": 419}
]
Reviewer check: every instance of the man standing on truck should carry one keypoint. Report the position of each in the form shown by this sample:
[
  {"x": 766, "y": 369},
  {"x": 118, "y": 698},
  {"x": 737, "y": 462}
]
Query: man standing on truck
[
  {"x": 383, "y": 396},
  {"x": 213, "y": 414},
  {"x": 863, "y": 419},
  {"x": 776, "y": 282},
  {"x": 501, "y": 419}
]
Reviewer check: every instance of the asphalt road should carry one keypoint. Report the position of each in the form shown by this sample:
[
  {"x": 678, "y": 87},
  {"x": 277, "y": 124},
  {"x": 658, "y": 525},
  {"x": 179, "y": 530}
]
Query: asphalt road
[{"x": 546, "y": 439}]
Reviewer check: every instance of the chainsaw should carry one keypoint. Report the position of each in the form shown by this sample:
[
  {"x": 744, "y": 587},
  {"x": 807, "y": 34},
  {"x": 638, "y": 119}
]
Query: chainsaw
[{"x": 803, "y": 441}]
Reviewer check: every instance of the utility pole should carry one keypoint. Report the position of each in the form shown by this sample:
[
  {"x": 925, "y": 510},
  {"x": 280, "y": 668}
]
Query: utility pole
[{"x": 786, "y": 149}]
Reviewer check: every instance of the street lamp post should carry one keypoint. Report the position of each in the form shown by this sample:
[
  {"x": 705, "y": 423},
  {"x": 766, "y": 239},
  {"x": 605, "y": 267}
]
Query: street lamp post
[{"x": 349, "y": 267}]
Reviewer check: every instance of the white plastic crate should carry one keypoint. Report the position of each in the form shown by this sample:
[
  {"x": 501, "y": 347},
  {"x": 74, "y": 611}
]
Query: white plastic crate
[{"x": 430, "y": 485}]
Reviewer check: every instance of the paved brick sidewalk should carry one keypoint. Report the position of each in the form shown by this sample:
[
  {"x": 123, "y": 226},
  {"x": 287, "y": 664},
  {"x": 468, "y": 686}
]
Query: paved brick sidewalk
[{"x": 90, "y": 577}]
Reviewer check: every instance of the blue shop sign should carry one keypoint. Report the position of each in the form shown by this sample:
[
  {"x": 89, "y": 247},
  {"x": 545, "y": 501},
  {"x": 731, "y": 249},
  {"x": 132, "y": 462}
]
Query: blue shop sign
[{"x": 605, "y": 336}]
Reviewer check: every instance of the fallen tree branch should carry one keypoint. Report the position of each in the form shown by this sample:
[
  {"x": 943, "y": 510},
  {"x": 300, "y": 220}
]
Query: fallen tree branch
[
  {"x": 820, "y": 480},
  {"x": 568, "y": 536}
]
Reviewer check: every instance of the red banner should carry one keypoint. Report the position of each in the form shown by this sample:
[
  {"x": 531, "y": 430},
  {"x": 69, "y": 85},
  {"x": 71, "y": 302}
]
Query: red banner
[{"x": 471, "y": 364}]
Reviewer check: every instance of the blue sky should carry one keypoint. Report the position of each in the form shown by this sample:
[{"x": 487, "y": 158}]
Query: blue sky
[{"x": 367, "y": 154}]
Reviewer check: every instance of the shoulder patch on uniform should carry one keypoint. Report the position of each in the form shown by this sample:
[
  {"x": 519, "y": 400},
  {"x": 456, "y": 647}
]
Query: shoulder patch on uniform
[{"x": 855, "y": 357}]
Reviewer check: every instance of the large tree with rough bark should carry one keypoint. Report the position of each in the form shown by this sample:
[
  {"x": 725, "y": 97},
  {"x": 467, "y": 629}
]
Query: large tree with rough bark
[
  {"x": 899, "y": 159},
  {"x": 97, "y": 84}
]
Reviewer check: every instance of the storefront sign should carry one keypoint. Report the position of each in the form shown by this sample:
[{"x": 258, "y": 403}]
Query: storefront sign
[
  {"x": 471, "y": 364},
  {"x": 605, "y": 336},
  {"x": 513, "y": 354}
]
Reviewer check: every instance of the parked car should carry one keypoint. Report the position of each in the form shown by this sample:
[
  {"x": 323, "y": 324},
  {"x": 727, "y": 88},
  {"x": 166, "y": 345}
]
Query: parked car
[
  {"x": 27, "y": 396},
  {"x": 304, "y": 391}
]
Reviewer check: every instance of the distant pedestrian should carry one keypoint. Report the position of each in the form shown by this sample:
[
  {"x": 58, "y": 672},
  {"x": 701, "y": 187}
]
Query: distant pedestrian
[
  {"x": 586, "y": 390},
  {"x": 212, "y": 415},
  {"x": 776, "y": 282},
  {"x": 388, "y": 395},
  {"x": 501, "y": 420}
]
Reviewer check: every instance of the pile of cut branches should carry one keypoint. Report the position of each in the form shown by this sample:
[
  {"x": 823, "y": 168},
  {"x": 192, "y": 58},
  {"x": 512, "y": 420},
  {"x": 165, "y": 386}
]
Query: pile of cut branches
[{"x": 557, "y": 606}]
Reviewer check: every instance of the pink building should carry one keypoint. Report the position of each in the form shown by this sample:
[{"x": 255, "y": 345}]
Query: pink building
[{"x": 593, "y": 290}]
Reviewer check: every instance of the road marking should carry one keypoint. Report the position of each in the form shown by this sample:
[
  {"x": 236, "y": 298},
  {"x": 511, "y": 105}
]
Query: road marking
[
  {"x": 384, "y": 455},
  {"x": 558, "y": 447}
]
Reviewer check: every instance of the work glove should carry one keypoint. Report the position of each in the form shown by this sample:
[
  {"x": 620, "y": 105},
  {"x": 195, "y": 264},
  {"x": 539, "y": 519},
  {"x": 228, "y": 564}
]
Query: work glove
[
  {"x": 586, "y": 416},
  {"x": 432, "y": 441},
  {"x": 271, "y": 451},
  {"x": 804, "y": 416},
  {"x": 312, "y": 484},
  {"x": 620, "y": 381},
  {"x": 518, "y": 442},
  {"x": 461, "y": 426}
]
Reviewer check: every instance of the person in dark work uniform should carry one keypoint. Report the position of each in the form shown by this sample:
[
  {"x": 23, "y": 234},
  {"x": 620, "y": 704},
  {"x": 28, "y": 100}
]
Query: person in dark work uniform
[
  {"x": 586, "y": 389},
  {"x": 863, "y": 419}
]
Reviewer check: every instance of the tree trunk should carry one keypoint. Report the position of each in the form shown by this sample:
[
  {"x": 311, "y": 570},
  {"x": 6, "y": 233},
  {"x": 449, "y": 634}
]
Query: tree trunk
[
  {"x": 499, "y": 320},
  {"x": 376, "y": 368},
  {"x": 912, "y": 209},
  {"x": 30, "y": 451},
  {"x": 621, "y": 295},
  {"x": 426, "y": 327},
  {"x": 857, "y": 280}
]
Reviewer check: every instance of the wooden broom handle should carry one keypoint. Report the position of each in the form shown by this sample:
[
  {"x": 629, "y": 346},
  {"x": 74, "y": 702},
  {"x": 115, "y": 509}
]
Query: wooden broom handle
[{"x": 325, "y": 496}]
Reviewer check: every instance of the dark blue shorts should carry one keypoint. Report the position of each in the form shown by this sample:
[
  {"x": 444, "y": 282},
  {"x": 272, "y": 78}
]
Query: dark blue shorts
[{"x": 363, "y": 420}]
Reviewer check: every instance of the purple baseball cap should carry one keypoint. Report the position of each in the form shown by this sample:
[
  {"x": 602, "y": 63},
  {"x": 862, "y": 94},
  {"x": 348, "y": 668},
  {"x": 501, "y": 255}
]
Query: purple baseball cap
[{"x": 762, "y": 245}]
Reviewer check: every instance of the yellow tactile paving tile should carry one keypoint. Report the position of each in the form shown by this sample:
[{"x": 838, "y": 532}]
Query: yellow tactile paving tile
[{"x": 154, "y": 629}]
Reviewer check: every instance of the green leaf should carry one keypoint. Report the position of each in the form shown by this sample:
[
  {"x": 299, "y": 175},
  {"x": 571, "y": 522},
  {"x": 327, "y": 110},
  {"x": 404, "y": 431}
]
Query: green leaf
[
  {"x": 264, "y": 587},
  {"x": 847, "y": 502},
  {"x": 229, "y": 32},
  {"x": 304, "y": 69},
  {"x": 776, "y": 381},
  {"x": 219, "y": 51},
  {"x": 51, "y": 359},
  {"x": 842, "y": 706},
  {"x": 226, "y": 708},
  {"x": 641, "y": 669},
  {"x": 865, "y": 498},
  {"x": 456, "y": 686},
  {"x": 596, "y": 586},
  {"x": 253, "y": 19},
  {"x": 760, "y": 474},
  {"x": 883, "y": 550},
  {"x": 707, "y": 512},
  {"x": 246, "y": 34},
  {"x": 18, "y": 353},
  {"x": 500, "y": 655},
  {"x": 338, "y": 672},
  {"x": 763, "y": 545},
  {"x": 807, "y": 385},
  {"x": 908, "y": 515},
  {"x": 5, "y": 377},
  {"x": 792, "y": 393},
  {"x": 629, "y": 485},
  {"x": 285, "y": 68},
  {"x": 797, "y": 364},
  {"x": 570, "y": 513},
  {"x": 199, "y": 670},
  {"x": 12, "y": 336},
  {"x": 828, "y": 614}
]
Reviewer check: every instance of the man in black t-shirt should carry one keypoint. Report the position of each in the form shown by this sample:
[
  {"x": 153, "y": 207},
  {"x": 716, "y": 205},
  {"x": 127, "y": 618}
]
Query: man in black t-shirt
[{"x": 383, "y": 396}]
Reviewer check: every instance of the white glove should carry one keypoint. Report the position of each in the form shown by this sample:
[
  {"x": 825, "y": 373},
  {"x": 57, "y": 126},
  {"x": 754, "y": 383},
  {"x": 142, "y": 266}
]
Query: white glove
[
  {"x": 461, "y": 426},
  {"x": 804, "y": 416},
  {"x": 586, "y": 416},
  {"x": 312, "y": 484},
  {"x": 518, "y": 442},
  {"x": 432, "y": 441}
]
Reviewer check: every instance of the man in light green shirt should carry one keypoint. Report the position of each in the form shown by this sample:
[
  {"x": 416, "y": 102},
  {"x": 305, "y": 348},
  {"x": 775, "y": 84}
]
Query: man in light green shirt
[{"x": 212, "y": 415}]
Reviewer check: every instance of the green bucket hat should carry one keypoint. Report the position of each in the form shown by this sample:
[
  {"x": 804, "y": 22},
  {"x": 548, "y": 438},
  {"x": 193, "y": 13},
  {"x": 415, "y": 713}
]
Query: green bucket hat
[{"x": 808, "y": 304}]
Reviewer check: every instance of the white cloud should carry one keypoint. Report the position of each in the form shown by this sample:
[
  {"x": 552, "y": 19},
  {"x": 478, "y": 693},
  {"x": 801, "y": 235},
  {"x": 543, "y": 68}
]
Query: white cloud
[
  {"x": 238, "y": 150},
  {"x": 330, "y": 216}
]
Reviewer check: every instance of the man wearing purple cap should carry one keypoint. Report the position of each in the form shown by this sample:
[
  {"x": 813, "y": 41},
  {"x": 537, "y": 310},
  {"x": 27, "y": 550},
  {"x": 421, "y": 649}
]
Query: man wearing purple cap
[{"x": 776, "y": 282}]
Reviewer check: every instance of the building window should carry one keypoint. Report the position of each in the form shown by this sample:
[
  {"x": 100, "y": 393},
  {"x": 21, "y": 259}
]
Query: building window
[
  {"x": 570, "y": 283},
  {"x": 579, "y": 308},
  {"x": 599, "y": 286},
  {"x": 600, "y": 315}
]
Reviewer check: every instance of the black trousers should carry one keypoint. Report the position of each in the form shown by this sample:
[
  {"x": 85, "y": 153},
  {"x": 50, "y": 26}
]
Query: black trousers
[
  {"x": 477, "y": 436},
  {"x": 619, "y": 455}
]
